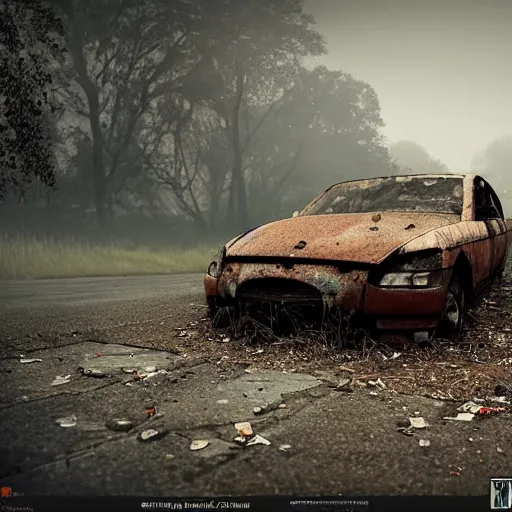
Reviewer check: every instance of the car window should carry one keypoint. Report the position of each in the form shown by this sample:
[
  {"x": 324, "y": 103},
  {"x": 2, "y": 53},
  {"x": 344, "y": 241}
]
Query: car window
[
  {"x": 424, "y": 194},
  {"x": 485, "y": 206}
]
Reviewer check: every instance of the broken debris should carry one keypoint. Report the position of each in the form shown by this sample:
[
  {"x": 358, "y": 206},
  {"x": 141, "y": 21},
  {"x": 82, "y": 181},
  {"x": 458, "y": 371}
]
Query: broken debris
[
  {"x": 424, "y": 442},
  {"x": 285, "y": 447},
  {"x": 61, "y": 380},
  {"x": 67, "y": 421},
  {"x": 462, "y": 416},
  {"x": 119, "y": 425},
  {"x": 24, "y": 360},
  {"x": 257, "y": 439},
  {"x": 418, "y": 422},
  {"x": 244, "y": 429},
  {"x": 152, "y": 435},
  {"x": 470, "y": 407},
  {"x": 198, "y": 444}
]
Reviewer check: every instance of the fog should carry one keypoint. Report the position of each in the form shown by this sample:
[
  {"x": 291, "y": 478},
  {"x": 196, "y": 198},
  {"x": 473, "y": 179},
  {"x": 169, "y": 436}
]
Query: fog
[
  {"x": 178, "y": 122},
  {"x": 441, "y": 69}
]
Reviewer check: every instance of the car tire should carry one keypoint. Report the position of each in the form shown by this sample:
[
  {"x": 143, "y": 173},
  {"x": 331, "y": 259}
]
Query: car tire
[{"x": 451, "y": 323}]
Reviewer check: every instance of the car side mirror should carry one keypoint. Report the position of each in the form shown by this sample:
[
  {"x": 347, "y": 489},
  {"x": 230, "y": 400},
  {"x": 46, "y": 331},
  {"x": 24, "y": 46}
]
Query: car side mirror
[{"x": 295, "y": 214}]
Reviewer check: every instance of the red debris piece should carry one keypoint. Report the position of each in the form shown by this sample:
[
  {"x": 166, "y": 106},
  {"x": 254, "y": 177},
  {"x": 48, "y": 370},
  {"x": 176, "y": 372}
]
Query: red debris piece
[
  {"x": 492, "y": 410},
  {"x": 151, "y": 412},
  {"x": 98, "y": 355}
]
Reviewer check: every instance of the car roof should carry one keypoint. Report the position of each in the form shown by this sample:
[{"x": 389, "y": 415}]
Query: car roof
[{"x": 419, "y": 176}]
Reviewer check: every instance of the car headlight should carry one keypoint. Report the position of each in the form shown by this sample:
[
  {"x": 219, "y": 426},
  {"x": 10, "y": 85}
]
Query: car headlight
[
  {"x": 216, "y": 266},
  {"x": 412, "y": 279},
  {"x": 422, "y": 269}
]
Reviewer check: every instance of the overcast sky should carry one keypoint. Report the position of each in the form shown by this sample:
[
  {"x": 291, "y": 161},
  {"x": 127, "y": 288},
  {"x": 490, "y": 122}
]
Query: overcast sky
[{"x": 442, "y": 68}]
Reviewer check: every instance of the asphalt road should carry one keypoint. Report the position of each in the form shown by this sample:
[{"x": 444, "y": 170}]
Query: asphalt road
[{"x": 323, "y": 441}]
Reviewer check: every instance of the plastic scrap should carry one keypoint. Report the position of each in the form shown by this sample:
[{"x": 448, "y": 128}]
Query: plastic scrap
[
  {"x": 151, "y": 412},
  {"x": 424, "y": 442},
  {"x": 418, "y": 422},
  {"x": 198, "y": 444},
  {"x": 27, "y": 361},
  {"x": 67, "y": 421},
  {"x": 119, "y": 425},
  {"x": 492, "y": 410},
  {"x": 462, "y": 416},
  {"x": 257, "y": 439},
  {"x": 61, "y": 380},
  {"x": 471, "y": 407},
  {"x": 152, "y": 434}
]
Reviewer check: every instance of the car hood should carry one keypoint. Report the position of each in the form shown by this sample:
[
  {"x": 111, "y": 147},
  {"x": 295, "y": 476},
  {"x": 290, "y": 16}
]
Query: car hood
[{"x": 347, "y": 237}]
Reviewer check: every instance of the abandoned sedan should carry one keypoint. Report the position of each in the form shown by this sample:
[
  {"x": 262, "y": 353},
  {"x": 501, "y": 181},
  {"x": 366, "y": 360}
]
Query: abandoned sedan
[{"x": 409, "y": 253}]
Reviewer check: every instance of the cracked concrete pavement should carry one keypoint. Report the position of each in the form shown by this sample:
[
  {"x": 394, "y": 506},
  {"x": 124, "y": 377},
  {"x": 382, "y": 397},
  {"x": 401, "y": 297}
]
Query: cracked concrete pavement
[{"x": 339, "y": 442}]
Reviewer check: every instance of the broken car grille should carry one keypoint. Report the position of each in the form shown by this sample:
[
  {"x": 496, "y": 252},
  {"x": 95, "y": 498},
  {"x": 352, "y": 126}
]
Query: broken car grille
[{"x": 278, "y": 290}]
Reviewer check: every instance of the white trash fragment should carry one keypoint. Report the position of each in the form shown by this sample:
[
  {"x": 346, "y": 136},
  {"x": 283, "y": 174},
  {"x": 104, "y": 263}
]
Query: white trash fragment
[
  {"x": 424, "y": 442},
  {"x": 500, "y": 450},
  {"x": 257, "y": 439},
  {"x": 198, "y": 444},
  {"x": 257, "y": 410},
  {"x": 148, "y": 434},
  {"x": 285, "y": 447},
  {"x": 418, "y": 422},
  {"x": 225, "y": 340},
  {"x": 371, "y": 383},
  {"x": 395, "y": 355},
  {"x": 182, "y": 334},
  {"x": 169, "y": 457},
  {"x": 61, "y": 380},
  {"x": 282, "y": 406},
  {"x": 67, "y": 421},
  {"x": 374, "y": 393},
  {"x": 462, "y": 416},
  {"x": 222, "y": 402},
  {"x": 27, "y": 361},
  {"x": 380, "y": 384},
  {"x": 244, "y": 428},
  {"x": 471, "y": 407}
]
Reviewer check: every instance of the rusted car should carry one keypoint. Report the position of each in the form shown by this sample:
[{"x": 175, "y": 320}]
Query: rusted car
[{"x": 409, "y": 253}]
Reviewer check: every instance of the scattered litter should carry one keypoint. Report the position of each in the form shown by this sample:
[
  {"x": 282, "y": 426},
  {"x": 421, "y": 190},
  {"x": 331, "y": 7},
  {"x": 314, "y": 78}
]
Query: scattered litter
[
  {"x": 98, "y": 355},
  {"x": 222, "y": 402},
  {"x": 257, "y": 439},
  {"x": 67, "y": 421},
  {"x": 346, "y": 369},
  {"x": 259, "y": 410},
  {"x": 374, "y": 393},
  {"x": 471, "y": 407},
  {"x": 152, "y": 434},
  {"x": 424, "y": 442},
  {"x": 225, "y": 340},
  {"x": 93, "y": 372},
  {"x": 119, "y": 425},
  {"x": 285, "y": 447},
  {"x": 151, "y": 412},
  {"x": 27, "y": 361},
  {"x": 182, "y": 334},
  {"x": 462, "y": 416},
  {"x": 500, "y": 450},
  {"x": 244, "y": 429},
  {"x": 169, "y": 457},
  {"x": 380, "y": 384},
  {"x": 247, "y": 370},
  {"x": 372, "y": 383},
  {"x": 418, "y": 422},
  {"x": 282, "y": 406},
  {"x": 198, "y": 445},
  {"x": 344, "y": 385},
  {"x": 395, "y": 355},
  {"x": 260, "y": 351},
  {"x": 492, "y": 410},
  {"x": 61, "y": 380},
  {"x": 406, "y": 431}
]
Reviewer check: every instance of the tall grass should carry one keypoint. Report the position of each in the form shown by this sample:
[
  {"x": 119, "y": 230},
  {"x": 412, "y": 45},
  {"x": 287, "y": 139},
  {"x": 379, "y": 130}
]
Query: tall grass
[{"x": 30, "y": 257}]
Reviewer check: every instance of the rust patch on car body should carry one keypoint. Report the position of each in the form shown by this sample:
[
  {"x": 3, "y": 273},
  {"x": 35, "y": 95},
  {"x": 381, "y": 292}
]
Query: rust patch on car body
[{"x": 338, "y": 237}]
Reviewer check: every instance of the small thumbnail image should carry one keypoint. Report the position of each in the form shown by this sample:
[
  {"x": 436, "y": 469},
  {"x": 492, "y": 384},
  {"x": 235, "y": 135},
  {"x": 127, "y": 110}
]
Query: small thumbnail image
[{"x": 501, "y": 493}]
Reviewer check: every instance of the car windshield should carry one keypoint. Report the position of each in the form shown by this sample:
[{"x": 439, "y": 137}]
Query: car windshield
[{"x": 427, "y": 194}]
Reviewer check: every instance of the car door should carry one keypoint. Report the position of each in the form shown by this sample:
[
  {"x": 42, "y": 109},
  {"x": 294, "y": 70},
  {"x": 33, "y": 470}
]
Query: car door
[
  {"x": 500, "y": 240},
  {"x": 487, "y": 212}
]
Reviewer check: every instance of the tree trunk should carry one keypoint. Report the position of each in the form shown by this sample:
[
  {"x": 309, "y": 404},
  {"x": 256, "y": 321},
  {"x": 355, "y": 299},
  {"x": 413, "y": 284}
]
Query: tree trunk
[{"x": 76, "y": 45}]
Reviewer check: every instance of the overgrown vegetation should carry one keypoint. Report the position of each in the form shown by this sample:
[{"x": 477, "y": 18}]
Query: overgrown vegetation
[{"x": 29, "y": 257}]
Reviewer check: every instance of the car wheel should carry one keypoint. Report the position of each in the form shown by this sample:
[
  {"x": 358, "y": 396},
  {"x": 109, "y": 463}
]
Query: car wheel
[{"x": 451, "y": 322}]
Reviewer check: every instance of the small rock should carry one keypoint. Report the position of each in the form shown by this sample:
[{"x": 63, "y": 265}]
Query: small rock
[
  {"x": 285, "y": 447},
  {"x": 119, "y": 425},
  {"x": 198, "y": 444},
  {"x": 282, "y": 406},
  {"x": 500, "y": 450},
  {"x": 92, "y": 372},
  {"x": 129, "y": 370},
  {"x": 374, "y": 393},
  {"x": 67, "y": 421},
  {"x": 372, "y": 383},
  {"x": 258, "y": 410},
  {"x": 470, "y": 439},
  {"x": 169, "y": 457},
  {"x": 247, "y": 370},
  {"x": 424, "y": 442}
]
